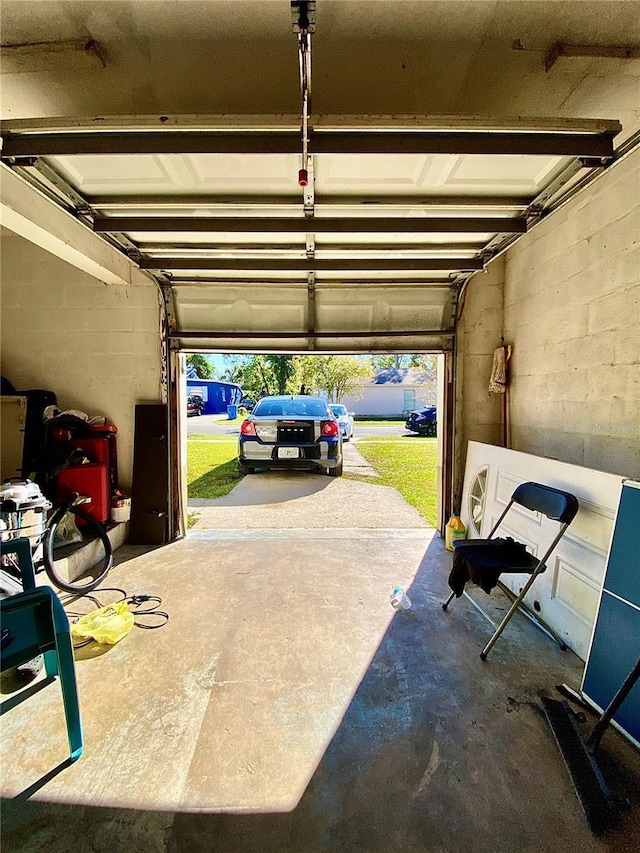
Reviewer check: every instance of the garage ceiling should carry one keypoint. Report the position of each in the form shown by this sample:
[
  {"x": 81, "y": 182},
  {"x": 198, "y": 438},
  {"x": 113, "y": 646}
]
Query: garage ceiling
[{"x": 400, "y": 210}]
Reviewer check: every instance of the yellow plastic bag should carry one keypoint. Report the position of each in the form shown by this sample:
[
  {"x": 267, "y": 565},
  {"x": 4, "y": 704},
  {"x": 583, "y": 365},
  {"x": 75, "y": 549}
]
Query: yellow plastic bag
[{"x": 106, "y": 625}]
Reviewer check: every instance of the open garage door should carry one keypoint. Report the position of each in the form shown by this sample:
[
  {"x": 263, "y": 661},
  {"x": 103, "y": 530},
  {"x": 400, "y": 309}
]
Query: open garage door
[{"x": 370, "y": 255}]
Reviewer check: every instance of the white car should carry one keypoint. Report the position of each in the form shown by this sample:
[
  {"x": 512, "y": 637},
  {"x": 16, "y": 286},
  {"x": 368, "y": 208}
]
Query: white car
[{"x": 344, "y": 418}]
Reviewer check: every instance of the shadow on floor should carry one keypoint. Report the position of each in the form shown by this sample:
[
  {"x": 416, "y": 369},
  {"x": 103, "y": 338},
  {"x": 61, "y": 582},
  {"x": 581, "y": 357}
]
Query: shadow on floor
[{"x": 437, "y": 751}]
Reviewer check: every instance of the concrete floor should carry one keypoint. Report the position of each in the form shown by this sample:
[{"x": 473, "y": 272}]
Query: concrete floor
[{"x": 287, "y": 707}]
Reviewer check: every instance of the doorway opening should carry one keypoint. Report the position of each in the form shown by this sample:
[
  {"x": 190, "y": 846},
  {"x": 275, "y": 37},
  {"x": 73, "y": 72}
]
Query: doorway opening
[{"x": 396, "y": 405}]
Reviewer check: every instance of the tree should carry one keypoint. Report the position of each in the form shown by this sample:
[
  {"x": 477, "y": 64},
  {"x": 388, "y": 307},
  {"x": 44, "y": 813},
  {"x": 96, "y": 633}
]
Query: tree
[
  {"x": 290, "y": 374},
  {"x": 201, "y": 365},
  {"x": 252, "y": 373},
  {"x": 338, "y": 375},
  {"x": 400, "y": 361},
  {"x": 306, "y": 376},
  {"x": 284, "y": 371},
  {"x": 419, "y": 361}
]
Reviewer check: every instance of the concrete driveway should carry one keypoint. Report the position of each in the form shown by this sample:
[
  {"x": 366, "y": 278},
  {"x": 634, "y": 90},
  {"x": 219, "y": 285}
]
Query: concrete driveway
[{"x": 298, "y": 499}]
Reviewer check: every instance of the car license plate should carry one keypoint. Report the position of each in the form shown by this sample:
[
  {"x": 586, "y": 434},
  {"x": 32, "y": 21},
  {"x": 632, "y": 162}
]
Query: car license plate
[{"x": 288, "y": 453}]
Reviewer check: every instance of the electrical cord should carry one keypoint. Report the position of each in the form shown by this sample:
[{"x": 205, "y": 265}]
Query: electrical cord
[{"x": 134, "y": 602}]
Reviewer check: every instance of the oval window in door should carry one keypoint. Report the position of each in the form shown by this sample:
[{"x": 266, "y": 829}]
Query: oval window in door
[{"x": 477, "y": 493}]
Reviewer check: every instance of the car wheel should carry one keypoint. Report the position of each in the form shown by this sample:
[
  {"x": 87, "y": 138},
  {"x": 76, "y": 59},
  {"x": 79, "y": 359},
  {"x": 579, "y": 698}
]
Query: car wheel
[
  {"x": 428, "y": 431},
  {"x": 246, "y": 469},
  {"x": 335, "y": 472}
]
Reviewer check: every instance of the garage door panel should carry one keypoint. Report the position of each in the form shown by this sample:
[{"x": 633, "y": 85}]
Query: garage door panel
[
  {"x": 335, "y": 317},
  {"x": 216, "y": 308},
  {"x": 319, "y": 344},
  {"x": 512, "y": 175},
  {"x": 173, "y": 174},
  {"x": 435, "y": 173},
  {"x": 379, "y": 316},
  {"x": 396, "y": 308},
  {"x": 374, "y": 174}
]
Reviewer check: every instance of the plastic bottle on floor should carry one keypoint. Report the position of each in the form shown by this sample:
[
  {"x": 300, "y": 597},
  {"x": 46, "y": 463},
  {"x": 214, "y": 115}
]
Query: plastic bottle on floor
[
  {"x": 455, "y": 529},
  {"x": 400, "y": 600}
]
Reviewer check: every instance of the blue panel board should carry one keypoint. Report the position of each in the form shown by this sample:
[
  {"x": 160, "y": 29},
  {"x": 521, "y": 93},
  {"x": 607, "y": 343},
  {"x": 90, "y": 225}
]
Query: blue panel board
[
  {"x": 623, "y": 568},
  {"x": 615, "y": 650},
  {"x": 615, "y": 646}
]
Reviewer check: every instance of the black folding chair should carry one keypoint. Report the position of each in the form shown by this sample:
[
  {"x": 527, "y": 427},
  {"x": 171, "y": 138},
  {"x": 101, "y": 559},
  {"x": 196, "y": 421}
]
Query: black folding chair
[{"x": 482, "y": 561}]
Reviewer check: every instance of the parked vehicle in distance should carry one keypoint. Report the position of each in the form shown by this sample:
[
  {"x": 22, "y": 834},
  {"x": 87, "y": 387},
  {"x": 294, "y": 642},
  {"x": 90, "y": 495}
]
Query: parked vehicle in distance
[
  {"x": 195, "y": 405},
  {"x": 248, "y": 403},
  {"x": 296, "y": 431},
  {"x": 423, "y": 421},
  {"x": 344, "y": 418}
]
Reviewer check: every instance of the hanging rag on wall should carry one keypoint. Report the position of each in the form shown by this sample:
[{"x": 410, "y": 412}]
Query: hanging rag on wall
[
  {"x": 498, "y": 381},
  {"x": 498, "y": 384}
]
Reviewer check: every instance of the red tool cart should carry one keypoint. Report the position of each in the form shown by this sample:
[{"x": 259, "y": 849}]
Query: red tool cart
[{"x": 96, "y": 479}]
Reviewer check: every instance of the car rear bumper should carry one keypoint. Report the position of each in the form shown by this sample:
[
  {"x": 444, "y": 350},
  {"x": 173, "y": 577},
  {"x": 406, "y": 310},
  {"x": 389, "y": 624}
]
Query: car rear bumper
[
  {"x": 324, "y": 454},
  {"x": 423, "y": 427},
  {"x": 291, "y": 464}
]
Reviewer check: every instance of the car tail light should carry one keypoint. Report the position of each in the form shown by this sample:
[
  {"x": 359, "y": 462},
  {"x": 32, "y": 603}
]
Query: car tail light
[
  {"x": 330, "y": 428},
  {"x": 247, "y": 428}
]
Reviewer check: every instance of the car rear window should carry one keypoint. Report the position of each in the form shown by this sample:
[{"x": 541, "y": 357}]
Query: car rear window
[{"x": 292, "y": 408}]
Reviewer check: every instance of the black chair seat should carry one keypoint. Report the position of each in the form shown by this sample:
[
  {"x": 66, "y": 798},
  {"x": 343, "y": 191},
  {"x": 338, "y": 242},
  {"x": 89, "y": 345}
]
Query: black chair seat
[
  {"x": 506, "y": 554},
  {"x": 482, "y": 561}
]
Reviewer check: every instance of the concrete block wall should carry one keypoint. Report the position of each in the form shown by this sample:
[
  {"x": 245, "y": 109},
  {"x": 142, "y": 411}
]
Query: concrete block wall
[
  {"x": 478, "y": 413},
  {"x": 96, "y": 345},
  {"x": 572, "y": 313}
]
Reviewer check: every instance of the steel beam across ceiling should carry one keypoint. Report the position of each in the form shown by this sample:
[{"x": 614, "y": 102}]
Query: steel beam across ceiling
[
  {"x": 414, "y": 249},
  {"x": 292, "y": 202},
  {"x": 310, "y": 264},
  {"x": 326, "y": 141},
  {"x": 382, "y": 333},
  {"x": 416, "y": 281},
  {"x": 319, "y": 225}
]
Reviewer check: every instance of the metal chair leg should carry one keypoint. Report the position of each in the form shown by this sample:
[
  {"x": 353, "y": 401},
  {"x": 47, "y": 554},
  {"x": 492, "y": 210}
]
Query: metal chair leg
[
  {"x": 534, "y": 617},
  {"x": 448, "y": 601},
  {"x": 510, "y": 612}
]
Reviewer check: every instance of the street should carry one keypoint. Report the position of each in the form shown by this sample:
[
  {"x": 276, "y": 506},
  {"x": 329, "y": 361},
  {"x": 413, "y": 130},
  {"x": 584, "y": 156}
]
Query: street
[{"x": 212, "y": 425}]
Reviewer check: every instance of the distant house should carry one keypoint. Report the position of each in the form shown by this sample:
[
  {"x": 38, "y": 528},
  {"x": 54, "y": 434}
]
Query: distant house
[
  {"x": 393, "y": 392},
  {"x": 217, "y": 395}
]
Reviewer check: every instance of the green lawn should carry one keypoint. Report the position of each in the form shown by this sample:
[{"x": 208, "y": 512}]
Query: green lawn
[
  {"x": 201, "y": 436},
  {"x": 212, "y": 470},
  {"x": 408, "y": 465}
]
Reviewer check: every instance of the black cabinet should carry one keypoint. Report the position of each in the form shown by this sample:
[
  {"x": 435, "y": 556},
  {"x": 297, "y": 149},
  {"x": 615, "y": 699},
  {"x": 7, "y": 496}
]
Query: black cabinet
[{"x": 151, "y": 480}]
